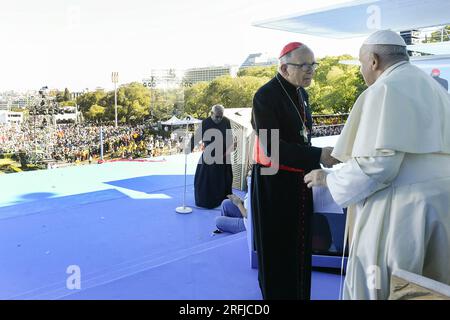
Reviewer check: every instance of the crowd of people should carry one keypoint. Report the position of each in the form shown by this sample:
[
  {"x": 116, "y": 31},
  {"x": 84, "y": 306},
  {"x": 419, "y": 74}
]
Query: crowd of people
[
  {"x": 325, "y": 131},
  {"x": 328, "y": 125},
  {"x": 329, "y": 119},
  {"x": 73, "y": 143}
]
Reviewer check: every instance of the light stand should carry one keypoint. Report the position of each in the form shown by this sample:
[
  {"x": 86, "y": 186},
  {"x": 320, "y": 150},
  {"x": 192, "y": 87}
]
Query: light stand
[
  {"x": 115, "y": 79},
  {"x": 184, "y": 209}
]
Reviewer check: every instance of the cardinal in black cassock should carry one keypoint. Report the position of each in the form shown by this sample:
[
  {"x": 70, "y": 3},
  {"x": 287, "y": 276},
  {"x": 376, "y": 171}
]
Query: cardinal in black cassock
[
  {"x": 213, "y": 179},
  {"x": 281, "y": 203}
]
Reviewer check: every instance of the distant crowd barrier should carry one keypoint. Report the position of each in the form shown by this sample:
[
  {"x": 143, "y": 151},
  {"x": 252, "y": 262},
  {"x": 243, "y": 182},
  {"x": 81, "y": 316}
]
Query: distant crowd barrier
[
  {"x": 320, "y": 120},
  {"x": 130, "y": 160}
]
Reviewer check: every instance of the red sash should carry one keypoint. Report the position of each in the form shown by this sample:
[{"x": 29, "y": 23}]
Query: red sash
[{"x": 260, "y": 157}]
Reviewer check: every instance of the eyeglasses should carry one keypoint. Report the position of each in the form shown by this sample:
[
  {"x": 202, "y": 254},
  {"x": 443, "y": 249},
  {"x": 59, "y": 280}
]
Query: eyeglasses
[{"x": 305, "y": 66}]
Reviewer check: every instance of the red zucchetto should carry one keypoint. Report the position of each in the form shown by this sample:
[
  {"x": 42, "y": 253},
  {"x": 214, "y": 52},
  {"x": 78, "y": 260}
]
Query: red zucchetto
[
  {"x": 290, "y": 47},
  {"x": 436, "y": 72}
]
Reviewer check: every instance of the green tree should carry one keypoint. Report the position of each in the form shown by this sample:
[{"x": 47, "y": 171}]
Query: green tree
[
  {"x": 263, "y": 72},
  {"x": 438, "y": 36},
  {"x": 334, "y": 90},
  {"x": 230, "y": 92},
  {"x": 135, "y": 101},
  {"x": 66, "y": 96},
  {"x": 89, "y": 99},
  {"x": 247, "y": 87},
  {"x": 335, "y": 87},
  {"x": 219, "y": 91},
  {"x": 59, "y": 97},
  {"x": 194, "y": 100},
  {"x": 162, "y": 104},
  {"x": 68, "y": 103},
  {"x": 108, "y": 102},
  {"x": 62, "y": 97},
  {"x": 95, "y": 112}
]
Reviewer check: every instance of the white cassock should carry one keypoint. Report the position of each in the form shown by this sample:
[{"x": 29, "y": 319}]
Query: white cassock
[{"x": 395, "y": 182}]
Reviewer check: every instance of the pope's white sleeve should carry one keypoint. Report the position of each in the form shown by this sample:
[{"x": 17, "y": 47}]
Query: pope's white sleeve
[{"x": 360, "y": 177}]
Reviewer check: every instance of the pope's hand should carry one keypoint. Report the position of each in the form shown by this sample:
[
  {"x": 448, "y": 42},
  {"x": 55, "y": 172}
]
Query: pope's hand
[
  {"x": 326, "y": 159},
  {"x": 316, "y": 178}
]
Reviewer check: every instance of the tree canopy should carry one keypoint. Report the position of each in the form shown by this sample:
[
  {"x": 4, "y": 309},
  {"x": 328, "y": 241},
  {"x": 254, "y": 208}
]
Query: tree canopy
[
  {"x": 334, "y": 90},
  {"x": 335, "y": 87},
  {"x": 438, "y": 36},
  {"x": 225, "y": 90}
]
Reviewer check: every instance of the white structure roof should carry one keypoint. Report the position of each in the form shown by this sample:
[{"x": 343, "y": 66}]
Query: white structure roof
[
  {"x": 172, "y": 121},
  {"x": 362, "y": 17}
]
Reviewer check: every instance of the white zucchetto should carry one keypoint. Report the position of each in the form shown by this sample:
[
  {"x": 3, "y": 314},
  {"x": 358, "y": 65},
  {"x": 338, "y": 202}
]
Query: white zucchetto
[{"x": 385, "y": 37}]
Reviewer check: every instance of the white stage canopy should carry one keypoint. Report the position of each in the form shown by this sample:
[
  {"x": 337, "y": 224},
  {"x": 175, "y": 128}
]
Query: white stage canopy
[
  {"x": 190, "y": 120},
  {"x": 174, "y": 121},
  {"x": 439, "y": 48},
  {"x": 362, "y": 17}
]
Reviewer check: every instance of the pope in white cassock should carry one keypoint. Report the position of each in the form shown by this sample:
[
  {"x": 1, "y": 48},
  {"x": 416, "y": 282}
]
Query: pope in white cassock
[{"x": 395, "y": 179}]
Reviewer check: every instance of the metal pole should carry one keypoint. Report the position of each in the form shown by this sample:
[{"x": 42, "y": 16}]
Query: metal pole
[
  {"x": 115, "y": 79},
  {"x": 101, "y": 143},
  {"x": 115, "y": 101},
  {"x": 185, "y": 173},
  {"x": 184, "y": 209},
  {"x": 76, "y": 113}
]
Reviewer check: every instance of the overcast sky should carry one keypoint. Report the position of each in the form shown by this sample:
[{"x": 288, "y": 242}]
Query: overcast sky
[{"x": 78, "y": 43}]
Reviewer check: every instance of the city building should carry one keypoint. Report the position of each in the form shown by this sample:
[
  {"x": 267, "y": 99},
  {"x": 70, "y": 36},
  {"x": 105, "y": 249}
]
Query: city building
[
  {"x": 10, "y": 117},
  {"x": 258, "y": 60},
  {"x": 411, "y": 36},
  {"x": 5, "y": 104},
  {"x": 194, "y": 75},
  {"x": 12, "y": 100},
  {"x": 20, "y": 102}
]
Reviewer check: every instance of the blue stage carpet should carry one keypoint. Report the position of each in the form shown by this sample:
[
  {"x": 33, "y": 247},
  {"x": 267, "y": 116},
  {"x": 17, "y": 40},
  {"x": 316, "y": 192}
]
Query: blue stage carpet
[{"x": 117, "y": 223}]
